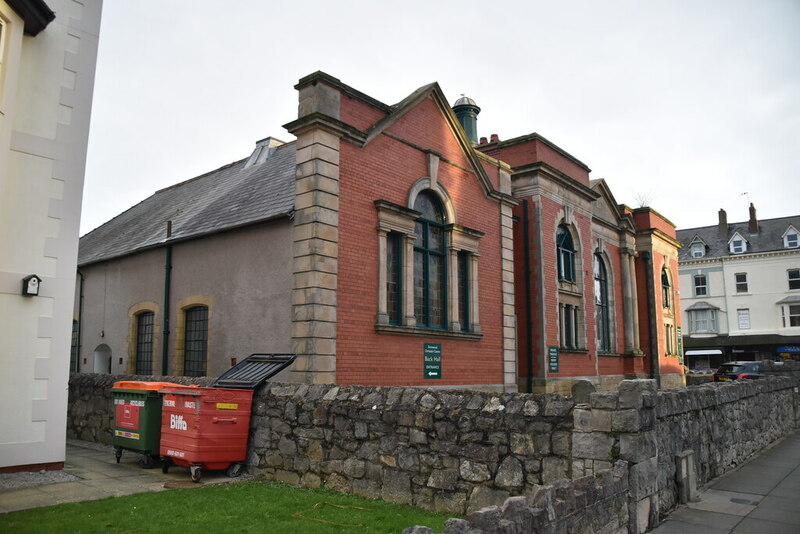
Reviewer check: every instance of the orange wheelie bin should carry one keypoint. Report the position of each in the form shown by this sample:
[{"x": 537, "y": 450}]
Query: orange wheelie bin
[{"x": 208, "y": 427}]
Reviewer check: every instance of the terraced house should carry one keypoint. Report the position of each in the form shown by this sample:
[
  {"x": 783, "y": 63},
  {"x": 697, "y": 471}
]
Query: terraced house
[
  {"x": 386, "y": 245},
  {"x": 741, "y": 290}
]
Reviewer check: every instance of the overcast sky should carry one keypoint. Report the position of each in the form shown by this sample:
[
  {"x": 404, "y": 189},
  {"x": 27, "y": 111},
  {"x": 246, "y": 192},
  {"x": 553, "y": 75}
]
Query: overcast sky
[{"x": 682, "y": 105}]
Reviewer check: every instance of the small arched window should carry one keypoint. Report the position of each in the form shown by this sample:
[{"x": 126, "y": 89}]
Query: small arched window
[
  {"x": 666, "y": 289},
  {"x": 430, "y": 273},
  {"x": 565, "y": 253}
]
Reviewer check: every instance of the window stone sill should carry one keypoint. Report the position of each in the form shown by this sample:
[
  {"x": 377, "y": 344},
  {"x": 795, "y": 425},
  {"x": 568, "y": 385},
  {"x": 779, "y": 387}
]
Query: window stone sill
[
  {"x": 638, "y": 354},
  {"x": 563, "y": 350},
  {"x": 425, "y": 332}
]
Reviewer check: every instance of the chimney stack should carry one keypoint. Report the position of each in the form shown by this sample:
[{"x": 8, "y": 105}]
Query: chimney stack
[
  {"x": 753, "y": 226},
  {"x": 723, "y": 224}
]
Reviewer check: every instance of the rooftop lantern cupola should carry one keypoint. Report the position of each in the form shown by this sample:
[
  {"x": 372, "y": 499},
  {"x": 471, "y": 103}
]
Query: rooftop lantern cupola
[{"x": 466, "y": 111}]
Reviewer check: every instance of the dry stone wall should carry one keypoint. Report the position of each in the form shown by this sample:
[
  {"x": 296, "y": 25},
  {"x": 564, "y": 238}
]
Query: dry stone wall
[
  {"x": 592, "y": 504},
  {"x": 494, "y": 456},
  {"x": 453, "y": 451},
  {"x": 723, "y": 424},
  {"x": 90, "y": 414}
]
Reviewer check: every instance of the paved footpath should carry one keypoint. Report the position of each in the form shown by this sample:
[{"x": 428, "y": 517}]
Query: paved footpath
[
  {"x": 762, "y": 496},
  {"x": 98, "y": 475}
]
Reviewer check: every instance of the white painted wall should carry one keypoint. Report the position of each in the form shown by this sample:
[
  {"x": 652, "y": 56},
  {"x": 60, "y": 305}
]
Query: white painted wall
[
  {"x": 767, "y": 284},
  {"x": 45, "y": 105}
]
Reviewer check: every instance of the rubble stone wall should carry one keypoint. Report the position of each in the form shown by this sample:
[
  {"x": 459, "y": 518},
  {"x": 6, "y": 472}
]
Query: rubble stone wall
[
  {"x": 90, "y": 413},
  {"x": 453, "y": 451},
  {"x": 532, "y": 460}
]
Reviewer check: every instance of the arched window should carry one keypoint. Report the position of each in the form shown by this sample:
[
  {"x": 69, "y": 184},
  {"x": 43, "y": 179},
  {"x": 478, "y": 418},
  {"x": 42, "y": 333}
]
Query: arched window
[
  {"x": 666, "y": 289},
  {"x": 144, "y": 343},
  {"x": 195, "y": 341},
  {"x": 565, "y": 254},
  {"x": 429, "y": 262},
  {"x": 603, "y": 320}
]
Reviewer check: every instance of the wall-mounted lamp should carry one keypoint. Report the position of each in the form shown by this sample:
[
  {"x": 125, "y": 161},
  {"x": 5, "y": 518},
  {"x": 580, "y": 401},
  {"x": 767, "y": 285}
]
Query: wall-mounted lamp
[{"x": 30, "y": 285}]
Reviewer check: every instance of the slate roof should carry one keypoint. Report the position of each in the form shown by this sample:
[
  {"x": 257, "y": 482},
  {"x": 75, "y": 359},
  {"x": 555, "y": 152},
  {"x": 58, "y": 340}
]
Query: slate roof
[
  {"x": 229, "y": 197},
  {"x": 768, "y": 239}
]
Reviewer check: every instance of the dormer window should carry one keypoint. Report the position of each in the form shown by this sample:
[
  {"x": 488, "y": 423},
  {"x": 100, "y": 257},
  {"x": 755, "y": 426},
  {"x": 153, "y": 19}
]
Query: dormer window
[
  {"x": 737, "y": 244},
  {"x": 698, "y": 250},
  {"x": 791, "y": 238}
]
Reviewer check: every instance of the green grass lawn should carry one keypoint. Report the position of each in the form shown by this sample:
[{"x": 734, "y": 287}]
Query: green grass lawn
[{"x": 243, "y": 507}]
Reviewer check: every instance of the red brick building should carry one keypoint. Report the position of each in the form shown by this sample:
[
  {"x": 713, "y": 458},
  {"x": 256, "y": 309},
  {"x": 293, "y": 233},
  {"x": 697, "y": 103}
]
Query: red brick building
[{"x": 408, "y": 253}]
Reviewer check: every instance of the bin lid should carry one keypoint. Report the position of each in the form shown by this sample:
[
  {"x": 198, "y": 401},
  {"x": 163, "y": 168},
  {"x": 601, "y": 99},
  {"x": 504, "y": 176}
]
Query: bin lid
[
  {"x": 137, "y": 384},
  {"x": 254, "y": 370}
]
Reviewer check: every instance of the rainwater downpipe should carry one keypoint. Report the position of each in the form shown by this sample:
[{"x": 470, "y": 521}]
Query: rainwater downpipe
[
  {"x": 167, "y": 284},
  {"x": 80, "y": 323},
  {"x": 651, "y": 306},
  {"x": 528, "y": 296}
]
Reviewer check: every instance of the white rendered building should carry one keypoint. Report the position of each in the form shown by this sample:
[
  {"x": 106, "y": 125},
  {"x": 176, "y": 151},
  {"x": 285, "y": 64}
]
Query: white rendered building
[
  {"x": 48, "y": 52},
  {"x": 740, "y": 290}
]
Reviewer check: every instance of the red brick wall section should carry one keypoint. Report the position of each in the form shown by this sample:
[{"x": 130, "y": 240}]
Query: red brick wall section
[
  {"x": 357, "y": 113},
  {"x": 579, "y": 363},
  {"x": 386, "y": 169},
  {"x": 533, "y": 151},
  {"x": 645, "y": 218},
  {"x": 644, "y": 310},
  {"x": 615, "y": 365}
]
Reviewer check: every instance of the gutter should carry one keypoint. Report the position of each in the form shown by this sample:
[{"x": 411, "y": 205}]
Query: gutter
[
  {"x": 528, "y": 297},
  {"x": 80, "y": 323},
  {"x": 655, "y": 373}
]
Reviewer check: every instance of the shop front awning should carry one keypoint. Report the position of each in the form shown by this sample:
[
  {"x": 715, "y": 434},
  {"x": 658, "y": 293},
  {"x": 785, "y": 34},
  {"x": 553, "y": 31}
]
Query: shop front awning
[{"x": 703, "y": 352}]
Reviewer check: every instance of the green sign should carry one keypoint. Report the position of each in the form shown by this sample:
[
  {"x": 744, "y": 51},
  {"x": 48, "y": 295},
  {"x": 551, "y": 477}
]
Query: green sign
[
  {"x": 552, "y": 358},
  {"x": 680, "y": 344},
  {"x": 432, "y": 360}
]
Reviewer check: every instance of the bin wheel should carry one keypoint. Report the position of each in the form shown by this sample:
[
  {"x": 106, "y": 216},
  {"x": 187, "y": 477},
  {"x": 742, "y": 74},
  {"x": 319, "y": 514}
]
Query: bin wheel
[
  {"x": 165, "y": 463},
  {"x": 118, "y": 454},
  {"x": 146, "y": 461},
  {"x": 197, "y": 473},
  {"x": 234, "y": 470}
]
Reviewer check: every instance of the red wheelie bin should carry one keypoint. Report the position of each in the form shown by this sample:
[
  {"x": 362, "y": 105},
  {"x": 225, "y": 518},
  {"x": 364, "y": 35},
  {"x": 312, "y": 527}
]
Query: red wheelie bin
[
  {"x": 208, "y": 428},
  {"x": 205, "y": 428}
]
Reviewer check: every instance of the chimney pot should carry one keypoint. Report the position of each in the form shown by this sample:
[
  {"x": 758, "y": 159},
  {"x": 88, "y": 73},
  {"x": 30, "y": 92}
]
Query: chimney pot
[
  {"x": 494, "y": 138},
  {"x": 483, "y": 141}
]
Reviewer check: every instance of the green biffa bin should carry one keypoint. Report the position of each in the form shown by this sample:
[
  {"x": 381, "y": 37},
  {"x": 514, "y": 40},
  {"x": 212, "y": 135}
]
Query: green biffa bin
[{"x": 137, "y": 418}]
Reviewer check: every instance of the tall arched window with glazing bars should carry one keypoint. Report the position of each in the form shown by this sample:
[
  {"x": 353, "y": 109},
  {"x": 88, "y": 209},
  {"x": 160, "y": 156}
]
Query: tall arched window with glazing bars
[
  {"x": 565, "y": 253},
  {"x": 430, "y": 268},
  {"x": 602, "y": 315}
]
